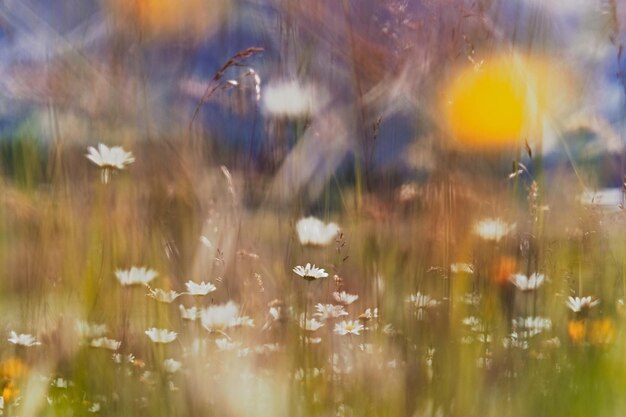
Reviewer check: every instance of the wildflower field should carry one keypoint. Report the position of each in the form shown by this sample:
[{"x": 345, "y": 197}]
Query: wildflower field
[{"x": 315, "y": 208}]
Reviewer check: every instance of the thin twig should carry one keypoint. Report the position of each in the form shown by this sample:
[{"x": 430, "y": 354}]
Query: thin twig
[{"x": 212, "y": 86}]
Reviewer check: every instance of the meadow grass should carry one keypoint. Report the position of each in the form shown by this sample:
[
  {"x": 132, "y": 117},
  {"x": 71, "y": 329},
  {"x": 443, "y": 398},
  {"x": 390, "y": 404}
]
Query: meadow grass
[
  {"x": 170, "y": 272},
  {"x": 438, "y": 327}
]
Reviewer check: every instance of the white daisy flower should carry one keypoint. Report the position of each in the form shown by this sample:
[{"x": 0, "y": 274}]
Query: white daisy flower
[
  {"x": 484, "y": 362},
  {"x": 276, "y": 313},
  {"x": 312, "y": 340},
  {"x": 493, "y": 229},
  {"x": 243, "y": 321},
  {"x": 311, "y": 325},
  {"x": 301, "y": 373},
  {"x": 329, "y": 311},
  {"x": 163, "y": 296},
  {"x": 189, "y": 313},
  {"x": 389, "y": 330},
  {"x": 532, "y": 326},
  {"x": 219, "y": 317},
  {"x": 461, "y": 268},
  {"x": 349, "y": 327},
  {"x": 554, "y": 342},
  {"x": 135, "y": 276},
  {"x": 61, "y": 383},
  {"x": 313, "y": 231},
  {"x": 23, "y": 339},
  {"x": 366, "y": 348},
  {"x": 161, "y": 335},
  {"x": 579, "y": 304},
  {"x": 267, "y": 348},
  {"x": 525, "y": 283},
  {"x": 225, "y": 344},
  {"x": 117, "y": 358},
  {"x": 474, "y": 323},
  {"x": 515, "y": 340},
  {"x": 471, "y": 299},
  {"x": 109, "y": 159},
  {"x": 420, "y": 300},
  {"x": 206, "y": 242},
  {"x": 224, "y": 316},
  {"x": 291, "y": 98},
  {"x": 199, "y": 289},
  {"x": 106, "y": 343},
  {"x": 171, "y": 365},
  {"x": 243, "y": 352},
  {"x": 115, "y": 157},
  {"x": 609, "y": 199},
  {"x": 345, "y": 298},
  {"x": 310, "y": 272},
  {"x": 369, "y": 314},
  {"x": 87, "y": 330}
]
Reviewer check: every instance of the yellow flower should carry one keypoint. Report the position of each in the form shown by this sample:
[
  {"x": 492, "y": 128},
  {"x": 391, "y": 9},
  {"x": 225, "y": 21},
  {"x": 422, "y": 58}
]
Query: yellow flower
[
  {"x": 487, "y": 106},
  {"x": 496, "y": 103},
  {"x": 13, "y": 368},
  {"x": 602, "y": 331}
]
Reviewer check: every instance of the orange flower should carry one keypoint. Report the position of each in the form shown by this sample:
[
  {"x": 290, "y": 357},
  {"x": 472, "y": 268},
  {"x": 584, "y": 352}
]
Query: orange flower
[
  {"x": 503, "y": 269},
  {"x": 9, "y": 391},
  {"x": 576, "y": 329},
  {"x": 168, "y": 18}
]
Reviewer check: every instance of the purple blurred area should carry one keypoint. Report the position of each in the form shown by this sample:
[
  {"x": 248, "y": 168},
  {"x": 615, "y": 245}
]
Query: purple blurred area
[{"x": 366, "y": 71}]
